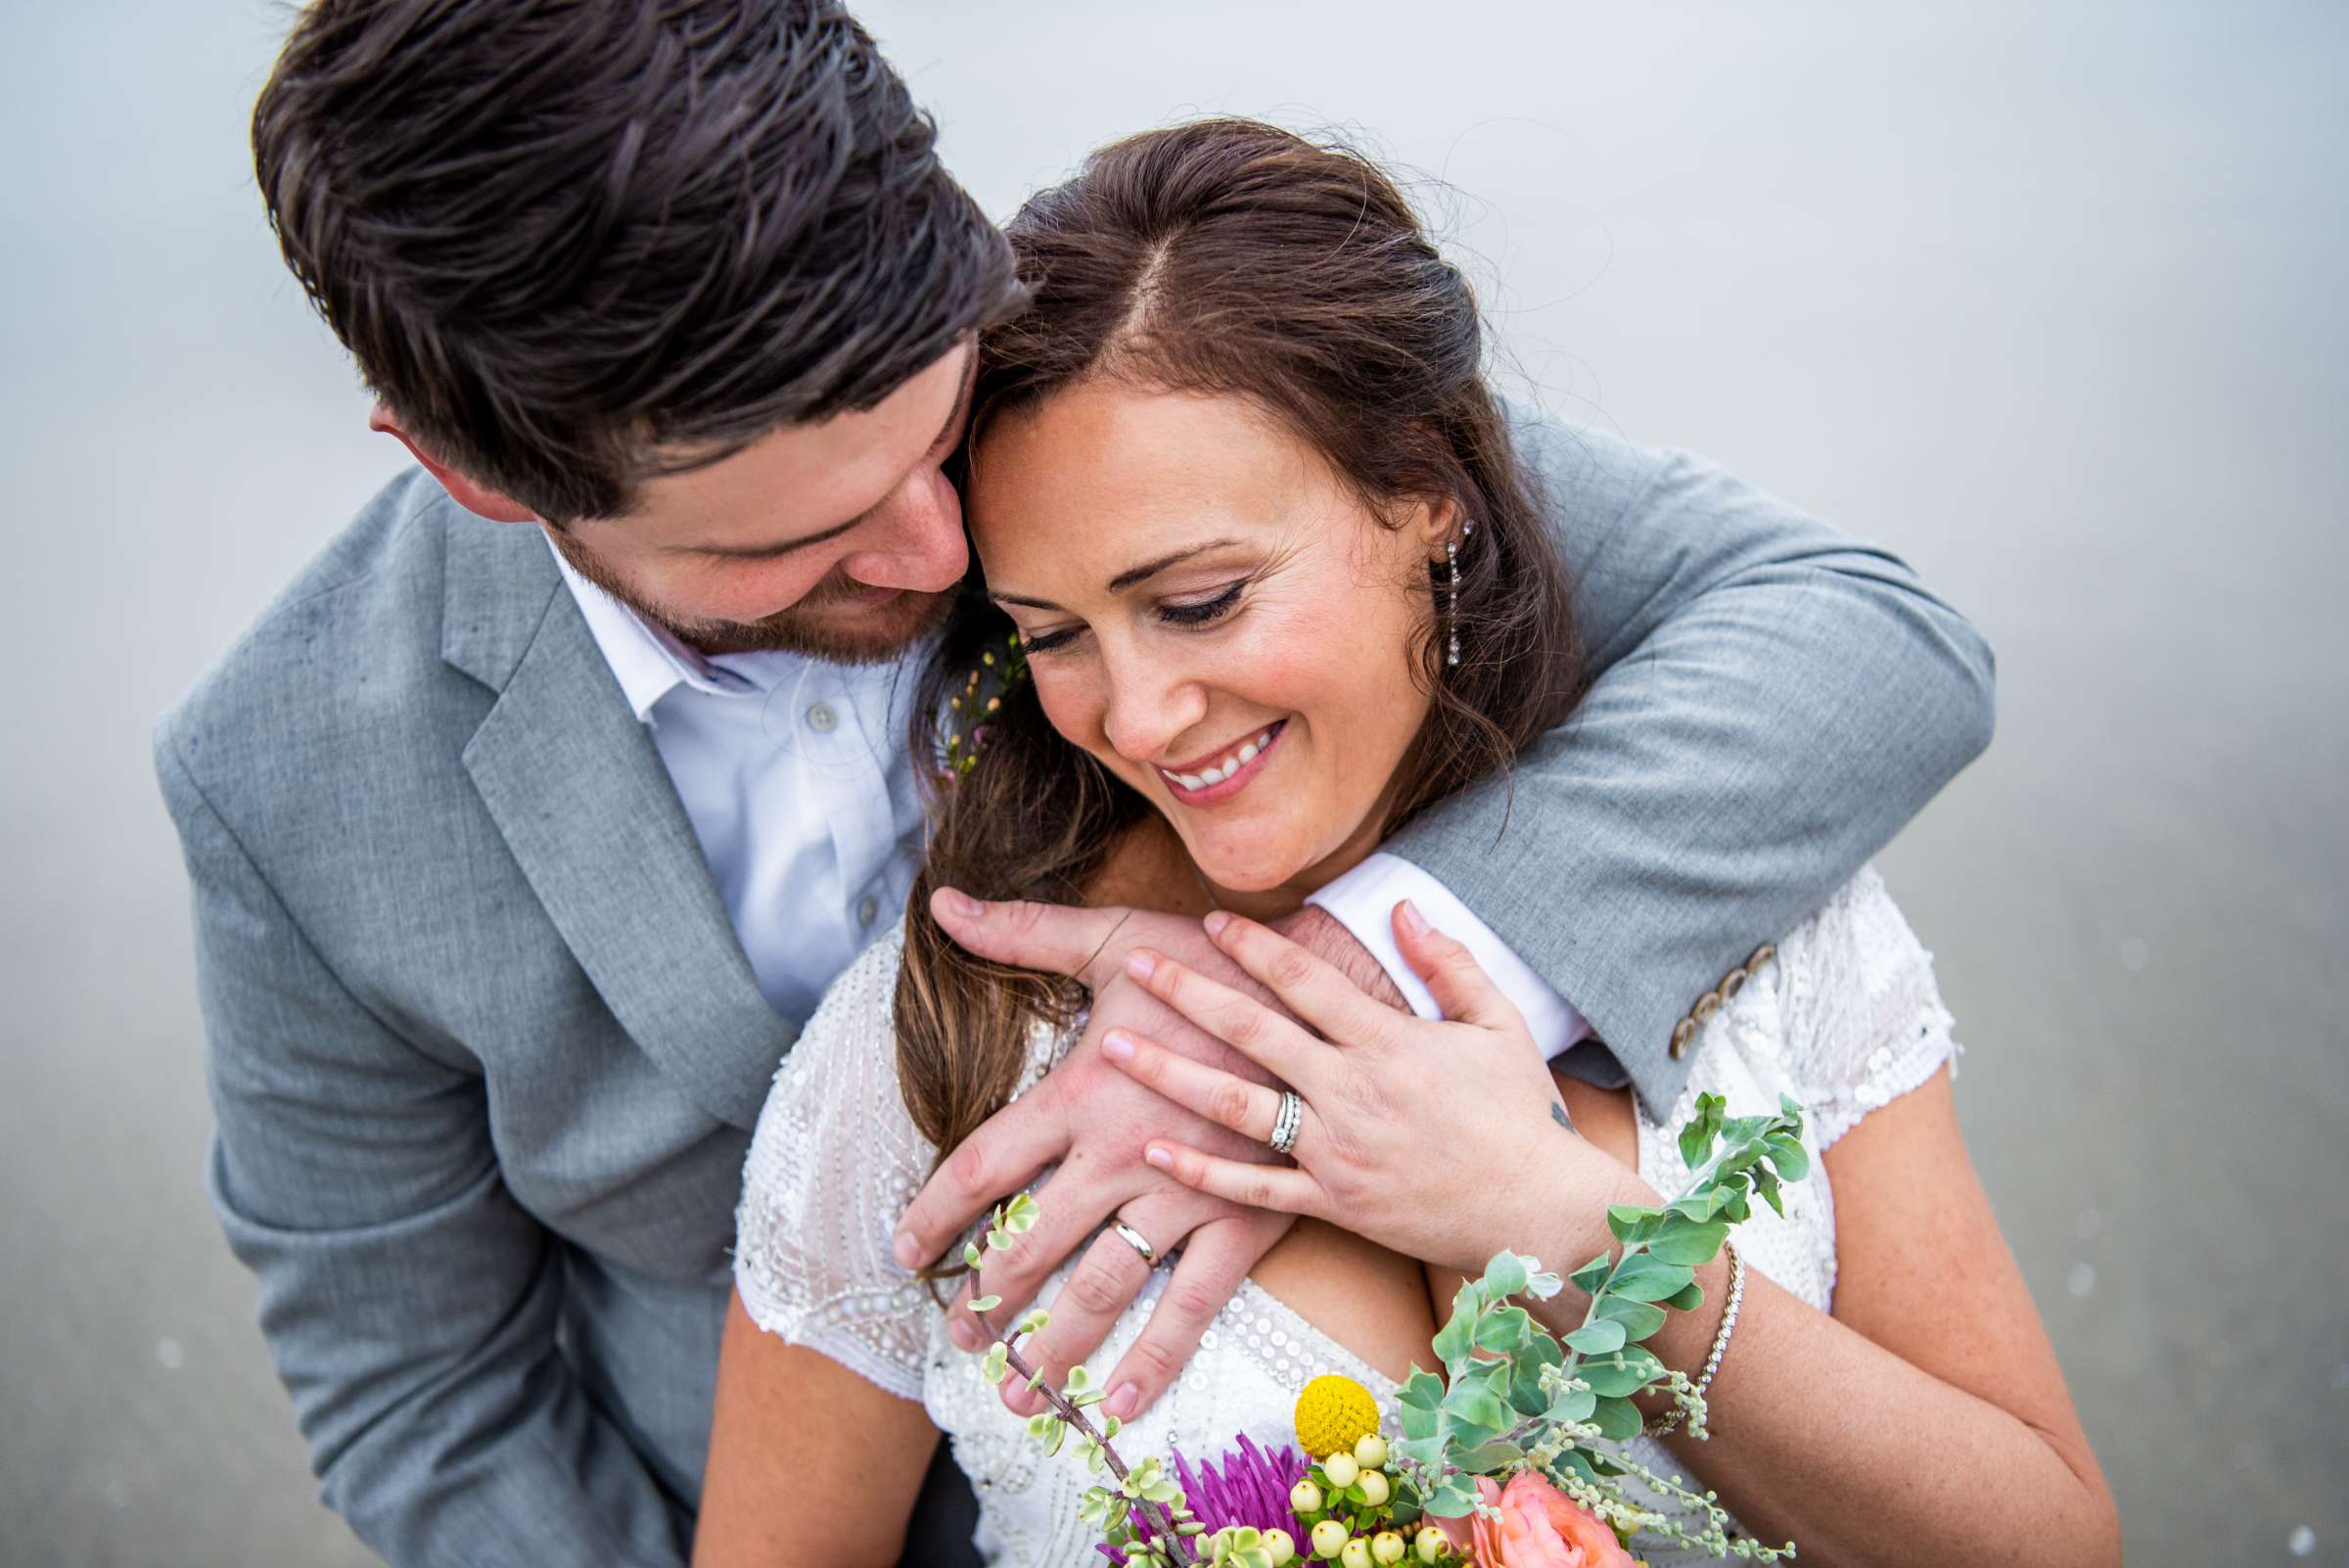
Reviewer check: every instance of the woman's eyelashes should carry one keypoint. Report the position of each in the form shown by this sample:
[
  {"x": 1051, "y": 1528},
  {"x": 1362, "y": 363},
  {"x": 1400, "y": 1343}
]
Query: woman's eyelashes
[
  {"x": 1191, "y": 614},
  {"x": 1199, "y": 612}
]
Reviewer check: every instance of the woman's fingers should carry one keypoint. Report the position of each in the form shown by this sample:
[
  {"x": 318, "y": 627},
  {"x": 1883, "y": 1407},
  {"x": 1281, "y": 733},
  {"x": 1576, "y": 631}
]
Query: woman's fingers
[
  {"x": 1309, "y": 987},
  {"x": 1273, "y": 1042},
  {"x": 1453, "y": 977},
  {"x": 1089, "y": 1303},
  {"x": 1279, "y": 1187},
  {"x": 1214, "y": 1260},
  {"x": 1224, "y": 1099}
]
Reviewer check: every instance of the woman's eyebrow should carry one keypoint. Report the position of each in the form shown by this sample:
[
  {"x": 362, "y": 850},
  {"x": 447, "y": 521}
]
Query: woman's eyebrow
[
  {"x": 1150, "y": 569},
  {"x": 1123, "y": 580}
]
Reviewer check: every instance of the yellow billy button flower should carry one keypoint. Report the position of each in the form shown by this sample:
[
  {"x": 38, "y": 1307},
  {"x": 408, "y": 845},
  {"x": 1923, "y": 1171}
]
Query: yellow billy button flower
[
  {"x": 1431, "y": 1545},
  {"x": 1305, "y": 1498},
  {"x": 1372, "y": 1453},
  {"x": 1355, "y": 1553},
  {"x": 1282, "y": 1549},
  {"x": 1376, "y": 1490},
  {"x": 1333, "y": 1415},
  {"x": 1329, "y": 1539},
  {"x": 1387, "y": 1549},
  {"x": 1341, "y": 1469}
]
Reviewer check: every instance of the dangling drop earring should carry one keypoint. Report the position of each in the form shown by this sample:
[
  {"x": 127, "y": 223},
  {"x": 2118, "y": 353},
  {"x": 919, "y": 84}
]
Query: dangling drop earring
[
  {"x": 1451, "y": 585},
  {"x": 1452, "y": 595}
]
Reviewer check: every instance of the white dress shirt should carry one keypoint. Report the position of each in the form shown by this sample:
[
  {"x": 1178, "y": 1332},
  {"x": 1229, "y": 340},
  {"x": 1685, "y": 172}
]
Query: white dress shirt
[{"x": 794, "y": 774}]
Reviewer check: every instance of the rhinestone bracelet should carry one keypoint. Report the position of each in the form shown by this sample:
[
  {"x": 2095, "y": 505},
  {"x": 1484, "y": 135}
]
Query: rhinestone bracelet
[{"x": 1721, "y": 1342}]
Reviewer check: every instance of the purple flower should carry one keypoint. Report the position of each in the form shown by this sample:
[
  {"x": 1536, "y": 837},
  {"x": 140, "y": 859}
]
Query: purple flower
[{"x": 1252, "y": 1488}]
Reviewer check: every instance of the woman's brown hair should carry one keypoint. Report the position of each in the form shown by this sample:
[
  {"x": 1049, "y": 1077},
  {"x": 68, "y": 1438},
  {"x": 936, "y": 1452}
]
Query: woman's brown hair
[{"x": 1224, "y": 257}]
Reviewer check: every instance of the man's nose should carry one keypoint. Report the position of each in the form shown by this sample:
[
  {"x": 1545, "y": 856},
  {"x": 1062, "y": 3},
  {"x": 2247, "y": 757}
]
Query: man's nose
[{"x": 920, "y": 543}]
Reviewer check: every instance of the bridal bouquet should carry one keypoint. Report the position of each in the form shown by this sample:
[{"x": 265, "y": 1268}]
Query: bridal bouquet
[{"x": 1511, "y": 1457}]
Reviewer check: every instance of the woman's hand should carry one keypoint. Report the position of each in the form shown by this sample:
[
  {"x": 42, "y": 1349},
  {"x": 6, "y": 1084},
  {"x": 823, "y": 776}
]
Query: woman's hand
[{"x": 1442, "y": 1139}]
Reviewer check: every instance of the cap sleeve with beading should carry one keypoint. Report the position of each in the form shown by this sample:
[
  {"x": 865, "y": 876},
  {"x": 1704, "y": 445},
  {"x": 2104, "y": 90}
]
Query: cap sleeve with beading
[
  {"x": 833, "y": 1164},
  {"x": 1865, "y": 1022}
]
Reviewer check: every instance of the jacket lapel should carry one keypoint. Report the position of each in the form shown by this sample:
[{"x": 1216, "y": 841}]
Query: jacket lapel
[{"x": 575, "y": 784}]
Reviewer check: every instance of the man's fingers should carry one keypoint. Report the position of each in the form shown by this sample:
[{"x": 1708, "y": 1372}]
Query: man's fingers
[
  {"x": 1214, "y": 1261},
  {"x": 1453, "y": 977},
  {"x": 1258, "y": 1032},
  {"x": 1242, "y": 1182},
  {"x": 1226, "y": 1098},
  {"x": 1309, "y": 987},
  {"x": 1003, "y": 1156},
  {"x": 1064, "y": 939}
]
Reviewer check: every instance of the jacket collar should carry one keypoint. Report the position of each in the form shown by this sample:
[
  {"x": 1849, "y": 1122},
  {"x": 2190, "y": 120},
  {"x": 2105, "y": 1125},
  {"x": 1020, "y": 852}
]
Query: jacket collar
[{"x": 573, "y": 783}]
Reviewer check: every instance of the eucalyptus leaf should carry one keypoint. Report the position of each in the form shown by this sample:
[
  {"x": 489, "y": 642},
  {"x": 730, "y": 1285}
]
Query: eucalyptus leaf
[
  {"x": 1571, "y": 1404},
  {"x": 1789, "y": 1156},
  {"x": 1488, "y": 1460},
  {"x": 1590, "y": 1275},
  {"x": 1598, "y": 1337},
  {"x": 1646, "y": 1277},
  {"x": 1685, "y": 1242},
  {"x": 1613, "y": 1377},
  {"x": 1457, "y": 1337},
  {"x": 1617, "y": 1419},
  {"x": 1504, "y": 1330},
  {"x": 1689, "y": 1300},
  {"x": 1474, "y": 1402},
  {"x": 1504, "y": 1277},
  {"x": 1640, "y": 1319}
]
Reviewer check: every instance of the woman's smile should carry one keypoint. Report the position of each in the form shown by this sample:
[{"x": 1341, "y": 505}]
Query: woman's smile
[{"x": 1216, "y": 777}]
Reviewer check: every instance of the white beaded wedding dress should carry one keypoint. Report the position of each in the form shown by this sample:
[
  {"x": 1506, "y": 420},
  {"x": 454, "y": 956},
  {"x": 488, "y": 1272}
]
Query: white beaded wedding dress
[{"x": 1845, "y": 1020}]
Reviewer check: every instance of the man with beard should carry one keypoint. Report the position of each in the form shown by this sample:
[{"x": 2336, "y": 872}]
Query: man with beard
[{"x": 530, "y": 822}]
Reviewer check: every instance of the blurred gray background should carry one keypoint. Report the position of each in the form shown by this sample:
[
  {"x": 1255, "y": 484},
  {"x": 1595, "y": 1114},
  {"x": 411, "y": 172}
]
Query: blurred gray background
[{"x": 2050, "y": 299}]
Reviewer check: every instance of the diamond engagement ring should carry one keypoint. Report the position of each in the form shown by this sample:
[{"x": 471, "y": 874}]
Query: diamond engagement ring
[
  {"x": 1136, "y": 1241},
  {"x": 1287, "y": 1121}
]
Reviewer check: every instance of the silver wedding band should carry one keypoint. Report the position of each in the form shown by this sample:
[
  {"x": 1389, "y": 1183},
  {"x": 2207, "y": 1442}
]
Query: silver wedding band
[
  {"x": 1287, "y": 1121},
  {"x": 1136, "y": 1241}
]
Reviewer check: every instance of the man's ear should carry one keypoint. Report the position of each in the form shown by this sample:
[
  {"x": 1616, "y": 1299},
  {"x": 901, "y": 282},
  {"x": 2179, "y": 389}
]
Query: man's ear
[{"x": 478, "y": 499}]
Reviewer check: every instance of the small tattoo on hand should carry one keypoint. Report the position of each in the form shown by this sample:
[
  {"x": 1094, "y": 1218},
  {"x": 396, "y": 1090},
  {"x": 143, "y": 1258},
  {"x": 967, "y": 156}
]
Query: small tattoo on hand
[{"x": 1558, "y": 1114}]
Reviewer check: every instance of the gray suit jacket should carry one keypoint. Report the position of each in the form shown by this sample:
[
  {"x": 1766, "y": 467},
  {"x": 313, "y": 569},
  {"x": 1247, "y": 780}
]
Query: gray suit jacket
[{"x": 485, "y": 1049}]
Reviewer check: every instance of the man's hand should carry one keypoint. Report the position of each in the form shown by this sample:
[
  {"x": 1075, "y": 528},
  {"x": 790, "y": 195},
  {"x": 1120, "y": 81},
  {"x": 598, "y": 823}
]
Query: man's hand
[{"x": 1095, "y": 1122}]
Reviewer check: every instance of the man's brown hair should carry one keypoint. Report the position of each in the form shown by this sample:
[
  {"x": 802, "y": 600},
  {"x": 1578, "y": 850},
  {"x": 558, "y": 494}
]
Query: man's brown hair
[{"x": 573, "y": 244}]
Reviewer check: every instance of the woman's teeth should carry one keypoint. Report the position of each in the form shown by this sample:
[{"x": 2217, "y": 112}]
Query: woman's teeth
[{"x": 1217, "y": 771}]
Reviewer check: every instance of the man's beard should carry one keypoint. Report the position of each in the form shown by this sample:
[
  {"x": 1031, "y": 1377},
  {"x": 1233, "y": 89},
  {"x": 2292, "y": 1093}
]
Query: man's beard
[{"x": 879, "y": 636}]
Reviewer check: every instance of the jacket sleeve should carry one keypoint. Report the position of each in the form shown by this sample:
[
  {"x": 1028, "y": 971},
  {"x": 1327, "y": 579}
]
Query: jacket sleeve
[
  {"x": 409, "y": 1302},
  {"x": 1770, "y": 702}
]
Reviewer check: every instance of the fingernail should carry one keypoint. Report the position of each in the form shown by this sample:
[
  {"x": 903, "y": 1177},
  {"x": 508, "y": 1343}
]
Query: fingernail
[
  {"x": 962, "y": 904},
  {"x": 963, "y": 1329},
  {"x": 1412, "y": 920},
  {"x": 1118, "y": 1045},
  {"x": 1216, "y": 921},
  {"x": 1159, "y": 1157},
  {"x": 1122, "y": 1401},
  {"x": 908, "y": 1250},
  {"x": 1139, "y": 964}
]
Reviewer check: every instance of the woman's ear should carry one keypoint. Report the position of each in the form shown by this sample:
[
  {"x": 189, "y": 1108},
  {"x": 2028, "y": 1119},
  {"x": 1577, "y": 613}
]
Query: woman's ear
[
  {"x": 1437, "y": 524},
  {"x": 476, "y": 497}
]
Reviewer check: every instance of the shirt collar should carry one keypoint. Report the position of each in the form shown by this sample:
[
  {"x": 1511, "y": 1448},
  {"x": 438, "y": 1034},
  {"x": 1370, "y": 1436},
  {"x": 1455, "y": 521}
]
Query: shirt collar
[{"x": 648, "y": 661}]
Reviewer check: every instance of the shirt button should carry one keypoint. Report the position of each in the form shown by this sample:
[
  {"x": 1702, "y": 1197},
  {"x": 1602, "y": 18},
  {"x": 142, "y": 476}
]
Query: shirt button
[
  {"x": 821, "y": 718},
  {"x": 868, "y": 908}
]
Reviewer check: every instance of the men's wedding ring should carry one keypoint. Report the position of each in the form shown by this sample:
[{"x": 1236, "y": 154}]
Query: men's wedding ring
[
  {"x": 1285, "y": 1124},
  {"x": 1137, "y": 1241}
]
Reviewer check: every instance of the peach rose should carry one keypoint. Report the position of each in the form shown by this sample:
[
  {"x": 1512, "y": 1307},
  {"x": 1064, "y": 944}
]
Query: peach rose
[{"x": 1538, "y": 1527}]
